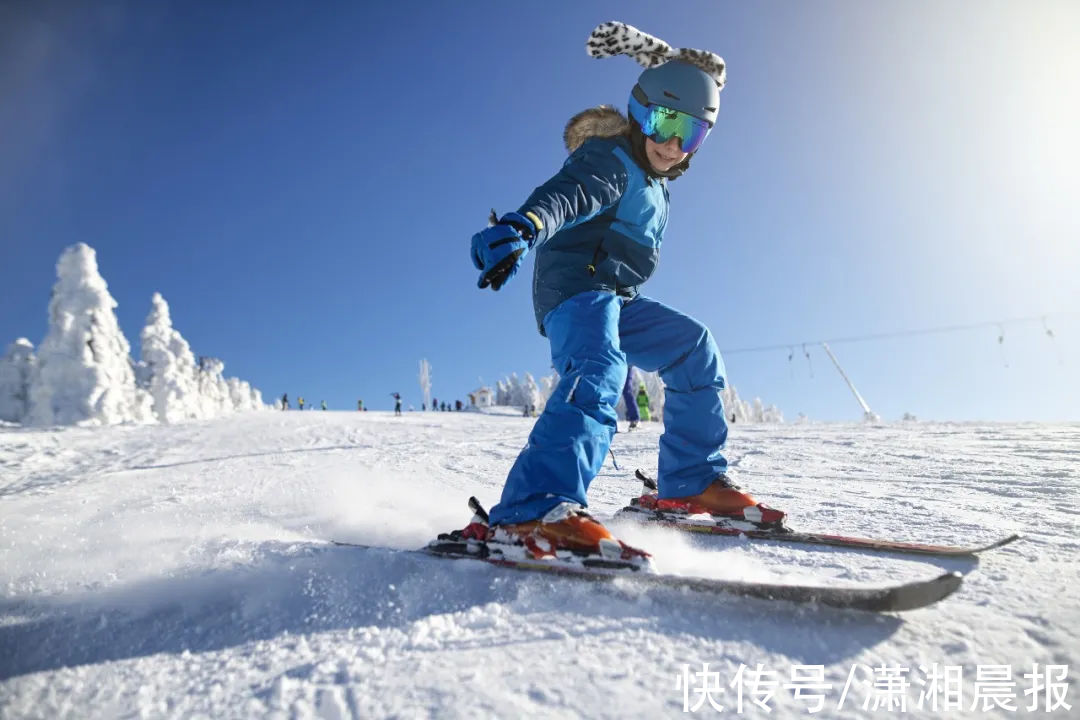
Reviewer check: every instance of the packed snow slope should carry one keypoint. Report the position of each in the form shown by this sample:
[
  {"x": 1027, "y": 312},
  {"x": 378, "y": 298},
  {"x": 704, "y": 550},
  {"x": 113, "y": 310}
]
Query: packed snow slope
[{"x": 184, "y": 570}]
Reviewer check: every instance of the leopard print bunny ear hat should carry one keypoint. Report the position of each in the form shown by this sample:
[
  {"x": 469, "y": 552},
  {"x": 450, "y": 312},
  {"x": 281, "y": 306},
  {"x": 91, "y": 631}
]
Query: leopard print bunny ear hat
[{"x": 617, "y": 38}]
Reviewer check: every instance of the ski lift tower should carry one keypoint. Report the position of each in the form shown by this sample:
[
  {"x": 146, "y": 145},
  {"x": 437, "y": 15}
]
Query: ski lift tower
[{"x": 869, "y": 415}]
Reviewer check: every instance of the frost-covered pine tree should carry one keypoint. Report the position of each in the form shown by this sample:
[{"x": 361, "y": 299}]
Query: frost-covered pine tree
[
  {"x": 739, "y": 411},
  {"x": 521, "y": 392},
  {"x": 16, "y": 369},
  {"x": 509, "y": 389},
  {"x": 168, "y": 367},
  {"x": 243, "y": 396},
  {"x": 515, "y": 391},
  {"x": 425, "y": 381},
  {"x": 181, "y": 388},
  {"x": 213, "y": 390},
  {"x": 735, "y": 408},
  {"x": 502, "y": 392},
  {"x": 84, "y": 372},
  {"x": 771, "y": 414},
  {"x": 548, "y": 384},
  {"x": 758, "y": 409},
  {"x": 529, "y": 392}
]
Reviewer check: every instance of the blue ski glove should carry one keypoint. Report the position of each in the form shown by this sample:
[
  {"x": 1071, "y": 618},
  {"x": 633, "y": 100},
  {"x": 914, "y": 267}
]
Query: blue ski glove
[{"x": 499, "y": 251}]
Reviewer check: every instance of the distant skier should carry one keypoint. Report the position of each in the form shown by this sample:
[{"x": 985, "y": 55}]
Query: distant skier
[
  {"x": 628, "y": 398},
  {"x": 323, "y": 403},
  {"x": 458, "y": 406},
  {"x": 643, "y": 403},
  {"x": 597, "y": 227},
  {"x": 434, "y": 403},
  {"x": 359, "y": 405},
  {"x": 397, "y": 403},
  {"x": 300, "y": 402},
  {"x": 285, "y": 401}
]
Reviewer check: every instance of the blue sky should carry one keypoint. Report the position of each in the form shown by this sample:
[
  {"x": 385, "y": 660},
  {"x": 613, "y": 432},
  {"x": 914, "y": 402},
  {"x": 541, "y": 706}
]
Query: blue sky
[{"x": 301, "y": 180}]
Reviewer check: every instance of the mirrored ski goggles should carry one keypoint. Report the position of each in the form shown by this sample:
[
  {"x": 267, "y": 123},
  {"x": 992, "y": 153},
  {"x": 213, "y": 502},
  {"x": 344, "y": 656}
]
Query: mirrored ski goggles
[{"x": 660, "y": 124}]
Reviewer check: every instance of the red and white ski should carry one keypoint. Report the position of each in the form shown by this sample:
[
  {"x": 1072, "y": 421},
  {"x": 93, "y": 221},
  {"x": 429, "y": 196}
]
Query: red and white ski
[{"x": 643, "y": 509}]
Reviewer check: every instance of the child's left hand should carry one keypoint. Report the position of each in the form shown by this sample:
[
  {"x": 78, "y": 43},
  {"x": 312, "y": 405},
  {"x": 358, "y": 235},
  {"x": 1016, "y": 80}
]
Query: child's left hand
[{"x": 500, "y": 250}]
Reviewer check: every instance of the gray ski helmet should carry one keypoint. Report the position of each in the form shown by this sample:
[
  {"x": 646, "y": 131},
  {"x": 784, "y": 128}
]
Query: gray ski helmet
[{"x": 679, "y": 86}]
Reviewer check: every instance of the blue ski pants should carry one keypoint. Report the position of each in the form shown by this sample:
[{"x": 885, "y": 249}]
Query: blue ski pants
[{"x": 593, "y": 335}]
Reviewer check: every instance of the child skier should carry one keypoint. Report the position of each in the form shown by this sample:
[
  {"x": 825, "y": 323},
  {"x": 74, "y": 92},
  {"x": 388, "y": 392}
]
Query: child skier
[
  {"x": 643, "y": 403},
  {"x": 596, "y": 228}
]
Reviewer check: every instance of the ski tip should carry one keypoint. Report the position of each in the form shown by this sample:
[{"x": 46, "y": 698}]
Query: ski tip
[
  {"x": 1006, "y": 541},
  {"x": 996, "y": 544},
  {"x": 949, "y": 582},
  {"x": 344, "y": 543},
  {"x": 946, "y": 583},
  {"x": 920, "y": 594}
]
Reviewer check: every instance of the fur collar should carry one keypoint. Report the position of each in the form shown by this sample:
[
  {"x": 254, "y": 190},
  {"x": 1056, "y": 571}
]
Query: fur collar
[{"x": 599, "y": 121}]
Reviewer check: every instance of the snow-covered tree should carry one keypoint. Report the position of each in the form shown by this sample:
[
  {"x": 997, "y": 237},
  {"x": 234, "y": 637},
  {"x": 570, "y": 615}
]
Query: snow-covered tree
[
  {"x": 502, "y": 392},
  {"x": 425, "y": 381},
  {"x": 213, "y": 390},
  {"x": 738, "y": 410},
  {"x": 181, "y": 388},
  {"x": 16, "y": 369},
  {"x": 548, "y": 384},
  {"x": 518, "y": 392},
  {"x": 513, "y": 390},
  {"x": 772, "y": 414},
  {"x": 529, "y": 392},
  {"x": 84, "y": 372},
  {"x": 168, "y": 369},
  {"x": 243, "y": 396}
]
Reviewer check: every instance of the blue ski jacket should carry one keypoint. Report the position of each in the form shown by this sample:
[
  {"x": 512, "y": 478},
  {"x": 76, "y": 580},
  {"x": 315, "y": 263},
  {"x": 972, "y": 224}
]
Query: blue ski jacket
[{"x": 603, "y": 217}]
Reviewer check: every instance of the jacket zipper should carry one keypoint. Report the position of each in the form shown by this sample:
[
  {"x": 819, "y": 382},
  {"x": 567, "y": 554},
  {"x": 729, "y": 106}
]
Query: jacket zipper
[{"x": 591, "y": 267}]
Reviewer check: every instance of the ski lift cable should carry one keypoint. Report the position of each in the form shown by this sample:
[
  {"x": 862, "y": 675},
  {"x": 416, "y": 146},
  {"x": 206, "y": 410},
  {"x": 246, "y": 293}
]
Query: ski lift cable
[{"x": 902, "y": 333}]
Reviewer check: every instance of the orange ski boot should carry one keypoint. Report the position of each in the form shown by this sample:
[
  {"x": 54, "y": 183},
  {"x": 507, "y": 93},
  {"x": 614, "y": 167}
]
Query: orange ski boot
[
  {"x": 719, "y": 498},
  {"x": 571, "y": 530},
  {"x": 722, "y": 498}
]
